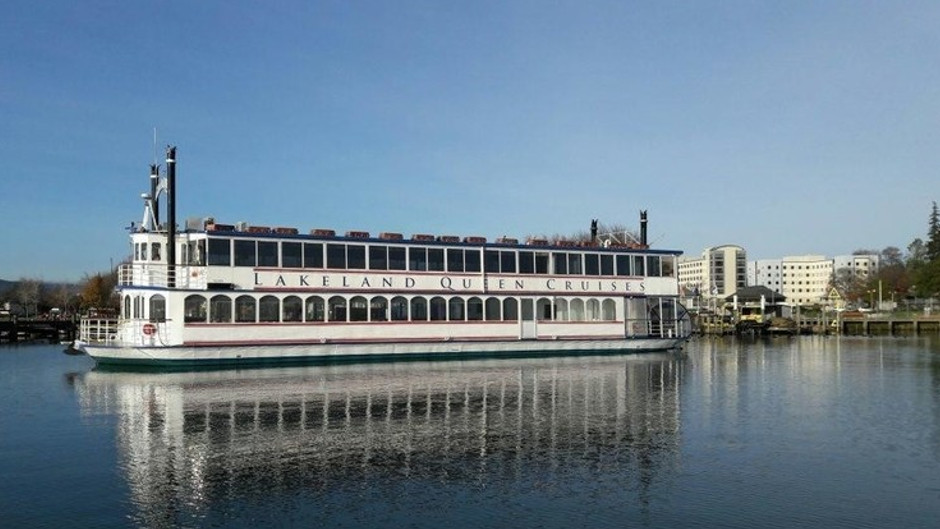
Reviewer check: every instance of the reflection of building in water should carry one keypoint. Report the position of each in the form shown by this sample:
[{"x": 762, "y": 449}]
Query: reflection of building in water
[{"x": 191, "y": 438}]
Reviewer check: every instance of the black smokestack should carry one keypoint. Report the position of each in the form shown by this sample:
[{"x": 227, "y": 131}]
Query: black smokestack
[
  {"x": 643, "y": 228},
  {"x": 171, "y": 216},
  {"x": 593, "y": 230},
  {"x": 155, "y": 202}
]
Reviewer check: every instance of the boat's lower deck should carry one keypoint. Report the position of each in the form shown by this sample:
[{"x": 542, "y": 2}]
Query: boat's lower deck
[{"x": 188, "y": 355}]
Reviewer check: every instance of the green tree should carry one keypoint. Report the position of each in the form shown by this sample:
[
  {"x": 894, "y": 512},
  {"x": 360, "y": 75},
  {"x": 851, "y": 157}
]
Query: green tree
[{"x": 933, "y": 234}]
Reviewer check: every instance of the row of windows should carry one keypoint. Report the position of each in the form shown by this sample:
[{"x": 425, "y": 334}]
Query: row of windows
[
  {"x": 341, "y": 256},
  {"x": 248, "y": 309}
]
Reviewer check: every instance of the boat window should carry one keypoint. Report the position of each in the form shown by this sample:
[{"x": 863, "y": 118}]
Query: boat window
[
  {"x": 544, "y": 309},
  {"x": 576, "y": 310},
  {"x": 399, "y": 309},
  {"x": 194, "y": 309},
  {"x": 493, "y": 309},
  {"x": 315, "y": 309},
  {"x": 475, "y": 309},
  {"x": 127, "y": 307},
  {"x": 220, "y": 252},
  {"x": 455, "y": 260},
  {"x": 378, "y": 257},
  {"x": 337, "y": 308},
  {"x": 155, "y": 251},
  {"x": 560, "y": 260},
  {"x": 313, "y": 255},
  {"x": 592, "y": 265},
  {"x": 245, "y": 253},
  {"x": 491, "y": 261},
  {"x": 269, "y": 309},
  {"x": 436, "y": 259},
  {"x": 137, "y": 252},
  {"x": 157, "y": 308},
  {"x": 507, "y": 261},
  {"x": 419, "y": 309},
  {"x": 608, "y": 310},
  {"x": 623, "y": 265},
  {"x": 418, "y": 259},
  {"x": 653, "y": 268},
  {"x": 669, "y": 266},
  {"x": 457, "y": 309},
  {"x": 526, "y": 263},
  {"x": 292, "y": 309},
  {"x": 638, "y": 268},
  {"x": 607, "y": 265},
  {"x": 510, "y": 309},
  {"x": 358, "y": 309},
  {"x": 541, "y": 262},
  {"x": 356, "y": 256},
  {"x": 378, "y": 309},
  {"x": 472, "y": 260},
  {"x": 438, "y": 309},
  {"x": 592, "y": 310},
  {"x": 574, "y": 264},
  {"x": 220, "y": 309},
  {"x": 292, "y": 255},
  {"x": 245, "y": 309},
  {"x": 267, "y": 253},
  {"x": 561, "y": 310},
  {"x": 396, "y": 258},
  {"x": 336, "y": 256}
]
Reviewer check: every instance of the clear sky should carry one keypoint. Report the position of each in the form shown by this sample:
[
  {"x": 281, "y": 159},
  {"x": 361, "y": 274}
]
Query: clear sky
[{"x": 784, "y": 127}]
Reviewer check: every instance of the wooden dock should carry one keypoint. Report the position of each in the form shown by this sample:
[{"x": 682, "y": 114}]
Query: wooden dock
[
  {"x": 20, "y": 330},
  {"x": 890, "y": 326}
]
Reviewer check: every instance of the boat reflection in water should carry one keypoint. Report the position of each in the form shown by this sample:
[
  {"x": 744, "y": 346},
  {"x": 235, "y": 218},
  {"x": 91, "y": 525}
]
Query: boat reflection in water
[{"x": 190, "y": 441}]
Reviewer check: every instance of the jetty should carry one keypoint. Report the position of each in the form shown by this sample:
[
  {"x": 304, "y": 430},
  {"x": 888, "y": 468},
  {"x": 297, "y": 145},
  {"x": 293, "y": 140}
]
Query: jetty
[{"x": 24, "y": 329}]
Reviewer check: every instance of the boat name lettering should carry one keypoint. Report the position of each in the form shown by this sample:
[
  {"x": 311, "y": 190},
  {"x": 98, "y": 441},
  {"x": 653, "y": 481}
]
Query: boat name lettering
[{"x": 446, "y": 282}]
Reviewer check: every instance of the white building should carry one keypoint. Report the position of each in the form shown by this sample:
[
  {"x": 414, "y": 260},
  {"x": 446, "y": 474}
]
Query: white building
[
  {"x": 767, "y": 273},
  {"x": 718, "y": 273},
  {"x": 805, "y": 279},
  {"x": 861, "y": 265}
]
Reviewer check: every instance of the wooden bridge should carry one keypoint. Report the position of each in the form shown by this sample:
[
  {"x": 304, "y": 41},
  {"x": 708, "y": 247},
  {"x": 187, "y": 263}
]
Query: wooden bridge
[{"x": 21, "y": 329}]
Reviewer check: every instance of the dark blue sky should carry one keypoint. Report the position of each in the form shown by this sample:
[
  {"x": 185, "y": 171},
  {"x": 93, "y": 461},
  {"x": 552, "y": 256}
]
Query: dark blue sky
[{"x": 784, "y": 127}]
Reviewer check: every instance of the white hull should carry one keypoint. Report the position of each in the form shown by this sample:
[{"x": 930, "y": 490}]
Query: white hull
[{"x": 234, "y": 355}]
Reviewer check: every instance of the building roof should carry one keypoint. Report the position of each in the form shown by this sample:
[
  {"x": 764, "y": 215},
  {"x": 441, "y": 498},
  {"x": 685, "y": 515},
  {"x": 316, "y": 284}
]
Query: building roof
[{"x": 754, "y": 293}]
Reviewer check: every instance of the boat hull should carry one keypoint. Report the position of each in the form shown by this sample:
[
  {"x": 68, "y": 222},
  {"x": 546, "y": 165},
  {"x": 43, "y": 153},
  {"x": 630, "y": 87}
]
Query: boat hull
[{"x": 209, "y": 355}]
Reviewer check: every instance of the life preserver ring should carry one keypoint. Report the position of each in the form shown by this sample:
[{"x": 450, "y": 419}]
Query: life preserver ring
[{"x": 150, "y": 329}]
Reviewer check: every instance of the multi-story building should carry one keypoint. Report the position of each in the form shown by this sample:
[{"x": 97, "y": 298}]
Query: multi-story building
[
  {"x": 805, "y": 279},
  {"x": 767, "y": 273},
  {"x": 718, "y": 273},
  {"x": 861, "y": 265}
]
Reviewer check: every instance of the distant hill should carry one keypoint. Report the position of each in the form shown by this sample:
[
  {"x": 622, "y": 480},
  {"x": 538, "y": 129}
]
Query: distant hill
[{"x": 6, "y": 285}]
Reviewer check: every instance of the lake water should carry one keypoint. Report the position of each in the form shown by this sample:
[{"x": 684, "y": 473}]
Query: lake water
[{"x": 793, "y": 432}]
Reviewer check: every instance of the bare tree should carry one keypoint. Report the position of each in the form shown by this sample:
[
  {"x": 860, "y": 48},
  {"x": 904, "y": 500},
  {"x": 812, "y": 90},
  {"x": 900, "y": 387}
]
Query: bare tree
[{"x": 26, "y": 293}]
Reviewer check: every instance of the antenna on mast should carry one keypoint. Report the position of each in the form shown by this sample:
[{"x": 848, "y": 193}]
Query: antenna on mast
[{"x": 155, "y": 145}]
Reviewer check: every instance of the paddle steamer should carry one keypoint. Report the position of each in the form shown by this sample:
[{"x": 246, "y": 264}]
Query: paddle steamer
[{"x": 214, "y": 293}]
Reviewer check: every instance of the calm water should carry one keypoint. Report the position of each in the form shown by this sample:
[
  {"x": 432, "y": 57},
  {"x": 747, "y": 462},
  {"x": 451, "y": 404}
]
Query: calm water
[{"x": 808, "y": 432}]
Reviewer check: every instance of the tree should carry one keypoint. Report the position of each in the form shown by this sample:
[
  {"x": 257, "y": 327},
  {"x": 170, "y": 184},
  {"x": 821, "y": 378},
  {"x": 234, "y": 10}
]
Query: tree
[
  {"x": 26, "y": 293},
  {"x": 916, "y": 252},
  {"x": 98, "y": 291},
  {"x": 850, "y": 286},
  {"x": 933, "y": 234}
]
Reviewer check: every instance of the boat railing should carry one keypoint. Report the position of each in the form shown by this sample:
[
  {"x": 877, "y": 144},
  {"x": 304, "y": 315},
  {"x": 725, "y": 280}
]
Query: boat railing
[
  {"x": 157, "y": 275},
  {"x": 98, "y": 330},
  {"x": 678, "y": 328}
]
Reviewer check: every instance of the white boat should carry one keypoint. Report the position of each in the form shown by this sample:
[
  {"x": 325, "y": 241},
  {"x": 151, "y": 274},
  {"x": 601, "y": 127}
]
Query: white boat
[{"x": 212, "y": 293}]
